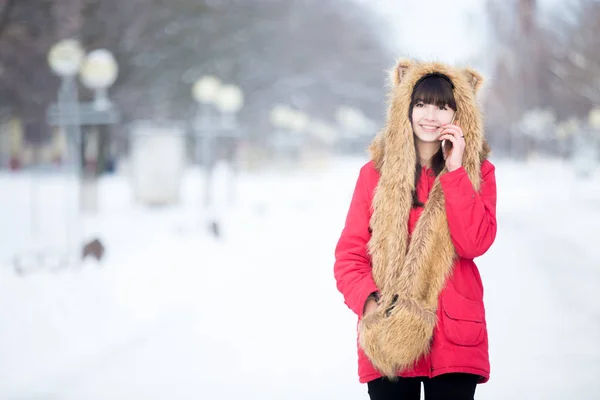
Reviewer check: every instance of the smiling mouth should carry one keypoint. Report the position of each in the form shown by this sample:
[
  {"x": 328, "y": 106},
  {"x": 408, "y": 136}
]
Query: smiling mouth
[{"x": 430, "y": 128}]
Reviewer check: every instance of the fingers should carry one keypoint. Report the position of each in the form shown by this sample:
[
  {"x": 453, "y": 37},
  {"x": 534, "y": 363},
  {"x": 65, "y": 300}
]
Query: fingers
[
  {"x": 452, "y": 126},
  {"x": 452, "y": 129},
  {"x": 455, "y": 132},
  {"x": 449, "y": 137}
]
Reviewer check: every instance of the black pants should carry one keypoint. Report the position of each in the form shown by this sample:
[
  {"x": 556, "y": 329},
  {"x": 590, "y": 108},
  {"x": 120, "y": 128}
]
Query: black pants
[{"x": 446, "y": 387}]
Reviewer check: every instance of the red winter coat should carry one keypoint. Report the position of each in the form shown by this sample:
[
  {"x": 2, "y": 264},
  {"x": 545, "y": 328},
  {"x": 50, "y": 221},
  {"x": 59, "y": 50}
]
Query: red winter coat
[{"x": 460, "y": 342}]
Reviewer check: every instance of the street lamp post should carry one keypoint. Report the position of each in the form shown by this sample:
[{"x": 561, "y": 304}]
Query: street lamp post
[
  {"x": 216, "y": 119},
  {"x": 65, "y": 59},
  {"x": 229, "y": 102},
  {"x": 290, "y": 128},
  {"x": 205, "y": 92},
  {"x": 98, "y": 71}
]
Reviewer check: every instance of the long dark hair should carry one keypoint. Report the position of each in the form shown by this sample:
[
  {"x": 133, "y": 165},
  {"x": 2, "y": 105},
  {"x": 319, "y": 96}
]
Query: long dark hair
[{"x": 433, "y": 89}]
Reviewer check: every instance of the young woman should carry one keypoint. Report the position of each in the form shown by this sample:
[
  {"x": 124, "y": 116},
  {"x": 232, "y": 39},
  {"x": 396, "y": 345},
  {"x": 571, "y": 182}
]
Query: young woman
[{"x": 420, "y": 213}]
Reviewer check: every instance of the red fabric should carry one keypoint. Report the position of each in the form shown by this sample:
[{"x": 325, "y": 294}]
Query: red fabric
[{"x": 460, "y": 342}]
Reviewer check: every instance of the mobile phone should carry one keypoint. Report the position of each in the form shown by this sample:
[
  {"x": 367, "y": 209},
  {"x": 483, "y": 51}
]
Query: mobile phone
[{"x": 446, "y": 144}]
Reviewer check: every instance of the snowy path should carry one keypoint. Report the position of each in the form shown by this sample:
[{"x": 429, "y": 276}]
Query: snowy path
[
  {"x": 178, "y": 315},
  {"x": 541, "y": 278}
]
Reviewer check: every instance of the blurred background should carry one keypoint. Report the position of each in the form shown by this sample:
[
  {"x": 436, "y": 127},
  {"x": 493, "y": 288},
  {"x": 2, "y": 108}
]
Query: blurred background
[{"x": 175, "y": 175}]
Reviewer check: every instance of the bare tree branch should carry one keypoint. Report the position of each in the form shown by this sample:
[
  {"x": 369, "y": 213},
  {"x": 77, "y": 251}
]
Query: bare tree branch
[{"x": 5, "y": 13}]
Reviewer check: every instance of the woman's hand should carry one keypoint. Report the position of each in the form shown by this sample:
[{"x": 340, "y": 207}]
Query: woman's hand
[
  {"x": 453, "y": 156},
  {"x": 370, "y": 305}
]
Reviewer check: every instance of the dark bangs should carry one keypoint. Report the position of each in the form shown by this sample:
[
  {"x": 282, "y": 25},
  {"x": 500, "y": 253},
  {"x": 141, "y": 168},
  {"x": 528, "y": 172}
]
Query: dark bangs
[{"x": 434, "y": 89}]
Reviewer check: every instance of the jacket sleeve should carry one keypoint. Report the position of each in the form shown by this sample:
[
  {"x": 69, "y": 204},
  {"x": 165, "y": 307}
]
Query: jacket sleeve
[
  {"x": 352, "y": 267},
  {"x": 471, "y": 215}
]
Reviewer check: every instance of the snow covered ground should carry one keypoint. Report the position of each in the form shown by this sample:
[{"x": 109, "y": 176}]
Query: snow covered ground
[{"x": 172, "y": 313}]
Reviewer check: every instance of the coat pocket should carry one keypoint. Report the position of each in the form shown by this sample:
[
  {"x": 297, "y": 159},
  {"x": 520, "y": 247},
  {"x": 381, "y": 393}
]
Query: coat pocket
[{"x": 463, "y": 319}]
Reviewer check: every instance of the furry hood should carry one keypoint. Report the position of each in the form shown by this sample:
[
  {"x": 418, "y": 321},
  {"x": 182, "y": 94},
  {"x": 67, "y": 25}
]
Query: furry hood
[
  {"x": 411, "y": 272},
  {"x": 396, "y": 139}
]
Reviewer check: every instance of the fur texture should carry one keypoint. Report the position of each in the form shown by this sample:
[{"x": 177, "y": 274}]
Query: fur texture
[{"x": 411, "y": 273}]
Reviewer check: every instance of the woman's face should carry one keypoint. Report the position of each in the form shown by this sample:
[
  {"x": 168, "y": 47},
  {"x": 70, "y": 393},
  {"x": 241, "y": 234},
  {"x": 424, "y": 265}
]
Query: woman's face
[{"x": 427, "y": 120}]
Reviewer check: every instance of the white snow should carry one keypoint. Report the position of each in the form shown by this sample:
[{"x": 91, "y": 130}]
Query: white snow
[{"x": 173, "y": 313}]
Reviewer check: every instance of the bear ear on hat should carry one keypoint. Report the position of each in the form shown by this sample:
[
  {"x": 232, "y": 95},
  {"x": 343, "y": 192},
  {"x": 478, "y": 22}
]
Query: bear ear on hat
[
  {"x": 474, "y": 78},
  {"x": 400, "y": 70}
]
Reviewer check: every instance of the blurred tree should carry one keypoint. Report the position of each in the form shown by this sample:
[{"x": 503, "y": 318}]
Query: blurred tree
[
  {"x": 573, "y": 59},
  {"x": 26, "y": 83},
  {"x": 515, "y": 84},
  {"x": 311, "y": 54},
  {"x": 6, "y": 7},
  {"x": 541, "y": 61}
]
